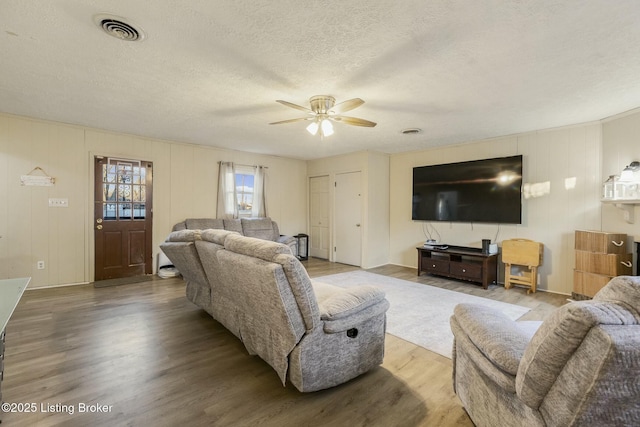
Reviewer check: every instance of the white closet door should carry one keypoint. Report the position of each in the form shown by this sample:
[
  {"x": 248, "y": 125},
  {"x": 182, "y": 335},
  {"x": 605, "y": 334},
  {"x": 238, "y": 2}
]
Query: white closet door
[
  {"x": 319, "y": 217},
  {"x": 348, "y": 218}
]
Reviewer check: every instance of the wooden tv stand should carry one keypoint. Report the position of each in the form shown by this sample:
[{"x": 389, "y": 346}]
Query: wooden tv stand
[{"x": 459, "y": 262}]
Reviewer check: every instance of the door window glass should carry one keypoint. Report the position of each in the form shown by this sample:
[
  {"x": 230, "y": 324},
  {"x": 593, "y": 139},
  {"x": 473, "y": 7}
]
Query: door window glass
[{"x": 123, "y": 190}]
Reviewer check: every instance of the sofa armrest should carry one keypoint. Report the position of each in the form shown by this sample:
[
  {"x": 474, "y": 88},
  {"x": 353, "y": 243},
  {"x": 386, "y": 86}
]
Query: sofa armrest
[
  {"x": 287, "y": 240},
  {"x": 501, "y": 340},
  {"x": 290, "y": 241},
  {"x": 342, "y": 309}
]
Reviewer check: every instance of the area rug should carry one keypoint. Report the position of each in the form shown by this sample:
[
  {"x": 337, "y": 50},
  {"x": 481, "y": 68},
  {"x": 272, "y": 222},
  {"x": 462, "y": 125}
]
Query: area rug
[{"x": 420, "y": 313}]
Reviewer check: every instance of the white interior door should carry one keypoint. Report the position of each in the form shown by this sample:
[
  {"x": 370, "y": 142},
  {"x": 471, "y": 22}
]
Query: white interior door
[
  {"x": 348, "y": 218},
  {"x": 319, "y": 216}
]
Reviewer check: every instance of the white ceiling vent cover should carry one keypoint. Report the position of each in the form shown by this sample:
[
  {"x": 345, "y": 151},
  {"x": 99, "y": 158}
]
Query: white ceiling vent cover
[{"x": 118, "y": 27}]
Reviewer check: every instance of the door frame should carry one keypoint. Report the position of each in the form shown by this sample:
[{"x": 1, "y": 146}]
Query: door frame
[{"x": 90, "y": 240}]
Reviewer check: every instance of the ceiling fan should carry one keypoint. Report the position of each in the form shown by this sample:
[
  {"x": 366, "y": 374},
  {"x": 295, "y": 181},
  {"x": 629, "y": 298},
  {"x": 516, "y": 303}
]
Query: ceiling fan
[{"x": 323, "y": 111}]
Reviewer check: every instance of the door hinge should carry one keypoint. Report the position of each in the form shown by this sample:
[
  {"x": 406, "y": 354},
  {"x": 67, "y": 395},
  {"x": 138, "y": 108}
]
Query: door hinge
[
  {"x": 334, "y": 249},
  {"x": 335, "y": 183}
]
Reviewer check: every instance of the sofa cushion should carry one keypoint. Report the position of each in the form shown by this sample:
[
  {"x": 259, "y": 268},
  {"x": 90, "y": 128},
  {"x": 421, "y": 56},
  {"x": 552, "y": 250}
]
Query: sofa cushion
[
  {"x": 203, "y": 223},
  {"x": 216, "y": 236},
  {"x": 261, "y": 228},
  {"x": 257, "y": 248},
  {"x": 336, "y": 302},
  {"x": 184, "y": 236},
  {"x": 233, "y": 225}
]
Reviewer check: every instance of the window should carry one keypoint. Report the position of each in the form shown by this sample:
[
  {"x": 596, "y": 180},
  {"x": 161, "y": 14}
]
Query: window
[
  {"x": 244, "y": 192},
  {"x": 241, "y": 191}
]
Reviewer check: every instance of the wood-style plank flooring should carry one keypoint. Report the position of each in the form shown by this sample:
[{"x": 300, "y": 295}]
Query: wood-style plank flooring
[{"x": 151, "y": 358}]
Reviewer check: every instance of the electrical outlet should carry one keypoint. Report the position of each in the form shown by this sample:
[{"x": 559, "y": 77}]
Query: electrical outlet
[
  {"x": 58, "y": 203},
  {"x": 40, "y": 265}
]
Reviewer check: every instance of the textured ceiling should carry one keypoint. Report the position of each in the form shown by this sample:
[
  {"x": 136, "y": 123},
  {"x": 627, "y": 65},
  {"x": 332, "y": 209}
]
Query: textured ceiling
[{"x": 209, "y": 72}]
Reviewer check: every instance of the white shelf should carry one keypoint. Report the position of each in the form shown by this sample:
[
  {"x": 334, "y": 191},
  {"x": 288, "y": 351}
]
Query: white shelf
[{"x": 622, "y": 201}]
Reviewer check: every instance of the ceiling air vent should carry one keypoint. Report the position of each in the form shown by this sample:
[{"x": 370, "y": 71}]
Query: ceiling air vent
[{"x": 117, "y": 27}]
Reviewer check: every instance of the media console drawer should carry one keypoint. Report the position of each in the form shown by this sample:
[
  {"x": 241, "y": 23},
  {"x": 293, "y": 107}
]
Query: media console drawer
[
  {"x": 459, "y": 262},
  {"x": 470, "y": 271},
  {"x": 436, "y": 265}
]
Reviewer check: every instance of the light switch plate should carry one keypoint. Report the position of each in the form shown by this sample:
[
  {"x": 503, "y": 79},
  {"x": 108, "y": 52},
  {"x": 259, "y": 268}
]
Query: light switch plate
[{"x": 58, "y": 203}]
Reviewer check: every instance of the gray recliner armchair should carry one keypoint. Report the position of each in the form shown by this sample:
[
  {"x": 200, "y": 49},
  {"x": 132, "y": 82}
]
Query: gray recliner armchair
[{"x": 580, "y": 367}]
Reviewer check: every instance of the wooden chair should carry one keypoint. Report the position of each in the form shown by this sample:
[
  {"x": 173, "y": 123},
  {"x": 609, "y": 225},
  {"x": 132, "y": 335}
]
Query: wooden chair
[{"x": 525, "y": 253}]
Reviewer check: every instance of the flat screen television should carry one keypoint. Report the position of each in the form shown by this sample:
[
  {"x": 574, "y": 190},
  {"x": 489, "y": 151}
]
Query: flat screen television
[{"x": 486, "y": 191}]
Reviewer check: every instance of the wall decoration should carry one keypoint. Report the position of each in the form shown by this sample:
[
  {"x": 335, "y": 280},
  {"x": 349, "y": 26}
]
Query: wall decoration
[{"x": 37, "y": 180}]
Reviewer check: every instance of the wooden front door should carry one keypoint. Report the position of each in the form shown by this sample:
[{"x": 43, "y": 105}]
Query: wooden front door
[{"x": 122, "y": 218}]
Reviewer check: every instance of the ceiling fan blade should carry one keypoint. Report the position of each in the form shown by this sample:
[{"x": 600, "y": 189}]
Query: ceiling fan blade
[
  {"x": 348, "y": 105},
  {"x": 353, "y": 121},
  {"x": 291, "y": 120},
  {"x": 296, "y": 106}
]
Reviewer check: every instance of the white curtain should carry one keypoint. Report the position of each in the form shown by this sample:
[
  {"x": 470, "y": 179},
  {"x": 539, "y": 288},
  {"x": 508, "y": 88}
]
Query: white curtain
[
  {"x": 259, "y": 208},
  {"x": 227, "y": 203}
]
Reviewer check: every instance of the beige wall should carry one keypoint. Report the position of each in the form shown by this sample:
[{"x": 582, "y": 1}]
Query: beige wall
[
  {"x": 185, "y": 185},
  {"x": 621, "y": 146},
  {"x": 185, "y": 178},
  {"x": 375, "y": 210},
  {"x": 376, "y": 245},
  {"x": 567, "y": 160}
]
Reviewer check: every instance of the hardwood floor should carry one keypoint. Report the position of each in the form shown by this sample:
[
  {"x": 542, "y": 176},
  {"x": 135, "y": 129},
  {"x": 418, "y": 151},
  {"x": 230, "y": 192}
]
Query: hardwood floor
[{"x": 150, "y": 357}]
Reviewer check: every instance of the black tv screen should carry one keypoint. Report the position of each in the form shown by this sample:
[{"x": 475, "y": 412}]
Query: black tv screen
[{"x": 487, "y": 191}]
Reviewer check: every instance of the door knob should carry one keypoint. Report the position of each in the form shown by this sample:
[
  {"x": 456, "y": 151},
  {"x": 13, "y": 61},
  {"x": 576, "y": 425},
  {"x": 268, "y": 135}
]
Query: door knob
[
  {"x": 99, "y": 220},
  {"x": 99, "y": 227}
]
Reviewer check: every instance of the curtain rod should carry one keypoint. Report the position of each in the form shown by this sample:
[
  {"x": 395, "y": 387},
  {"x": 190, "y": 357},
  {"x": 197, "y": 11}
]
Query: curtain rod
[{"x": 250, "y": 166}]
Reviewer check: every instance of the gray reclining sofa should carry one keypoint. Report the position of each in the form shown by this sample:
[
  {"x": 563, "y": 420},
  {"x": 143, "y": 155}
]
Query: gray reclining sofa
[
  {"x": 260, "y": 228},
  {"x": 314, "y": 335}
]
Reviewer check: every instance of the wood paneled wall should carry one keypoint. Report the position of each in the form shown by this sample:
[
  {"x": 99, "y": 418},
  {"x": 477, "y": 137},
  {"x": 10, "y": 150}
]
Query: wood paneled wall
[
  {"x": 375, "y": 201},
  {"x": 185, "y": 185},
  {"x": 566, "y": 161},
  {"x": 570, "y": 162}
]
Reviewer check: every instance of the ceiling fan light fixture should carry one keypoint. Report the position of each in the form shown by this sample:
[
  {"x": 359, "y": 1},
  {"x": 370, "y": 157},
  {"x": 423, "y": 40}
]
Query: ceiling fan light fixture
[
  {"x": 323, "y": 111},
  {"x": 313, "y": 128},
  {"x": 327, "y": 127}
]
